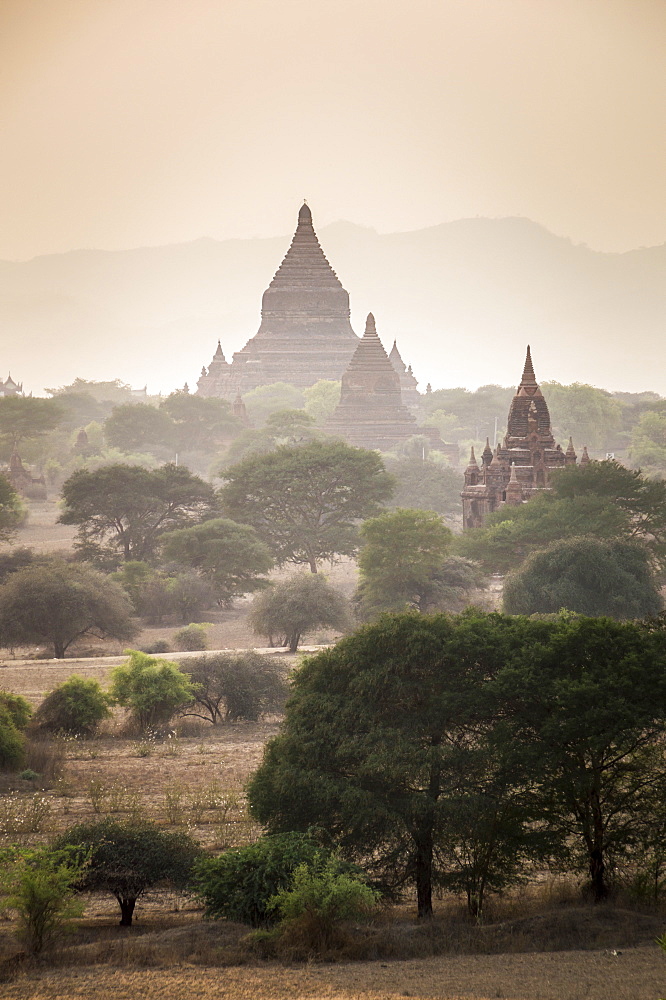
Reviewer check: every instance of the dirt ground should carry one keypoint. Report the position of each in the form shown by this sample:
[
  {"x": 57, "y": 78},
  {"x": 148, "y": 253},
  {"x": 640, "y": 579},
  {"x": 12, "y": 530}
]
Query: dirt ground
[{"x": 637, "y": 974}]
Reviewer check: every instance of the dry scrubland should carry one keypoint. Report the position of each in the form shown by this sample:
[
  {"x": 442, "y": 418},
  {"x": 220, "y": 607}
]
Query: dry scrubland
[{"x": 530, "y": 951}]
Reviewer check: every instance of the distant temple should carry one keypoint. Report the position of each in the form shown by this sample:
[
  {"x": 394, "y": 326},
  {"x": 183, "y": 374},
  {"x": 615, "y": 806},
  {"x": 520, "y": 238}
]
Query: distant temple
[
  {"x": 10, "y": 387},
  {"x": 305, "y": 333},
  {"x": 371, "y": 412},
  {"x": 521, "y": 466}
]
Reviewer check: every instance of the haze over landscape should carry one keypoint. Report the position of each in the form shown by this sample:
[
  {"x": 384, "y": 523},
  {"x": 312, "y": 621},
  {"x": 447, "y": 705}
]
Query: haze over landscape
[{"x": 194, "y": 132}]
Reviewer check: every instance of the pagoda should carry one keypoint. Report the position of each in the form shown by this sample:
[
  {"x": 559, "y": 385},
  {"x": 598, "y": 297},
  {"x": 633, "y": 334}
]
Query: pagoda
[
  {"x": 371, "y": 413},
  {"x": 305, "y": 333},
  {"x": 408, "y": 382},
  {"x": 521, "y": 466}
]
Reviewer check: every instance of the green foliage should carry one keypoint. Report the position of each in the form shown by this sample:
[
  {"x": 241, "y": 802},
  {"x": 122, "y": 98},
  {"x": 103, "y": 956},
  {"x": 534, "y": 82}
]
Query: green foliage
[
  {"x": 239, "y": 884},
  {"x": 199, "y": 424},
  {"x": 24, "y": 417},
  {"x": 39, "y": 884},
  {"x": 129, "y": 858},
  {"x": 18, "y": 709},
  {"x": 455, "y": 749},
  {"x": 76, "y": 707},
  {"x": 321, "y": 400},
  {"x": 55, "y": 602},
  {"x": 124, "y": 509},
  {"x": 230, "y": 686},
  {"x": 12, "y": 512},
  {"x": 425, "y": 485},
  {"x": 401, "y": 554},
  {"x": 194, "y": 636},
  {"x": 283, "y": 427},
  {"x": 12, "y": 742},
  {"x": 585, "y": 575},
  {"x": 152, "y": 689},
  {"x": 475, "y": 412},
  {"x": 15, "y": 559},
  {"x": 304, "y": 501},
  {"x": 266, "y": 399},
  {"x": 230, "y": 555},
  {"x": 603, "y": 499},
  {"x": 320, "y": 897},
  {"x": 140, "y": 427},
  {"x": 302, "y": 603},
  {"x": 648, "y": 442},
  {"x": 589, "y": 415}
]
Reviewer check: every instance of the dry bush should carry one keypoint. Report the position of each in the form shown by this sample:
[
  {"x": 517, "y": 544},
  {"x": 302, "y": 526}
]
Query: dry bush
[{"x": 47, "y": 758}]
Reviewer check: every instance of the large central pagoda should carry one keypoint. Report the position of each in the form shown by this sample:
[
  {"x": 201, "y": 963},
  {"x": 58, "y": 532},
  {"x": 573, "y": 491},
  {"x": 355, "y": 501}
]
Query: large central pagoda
[{"x": 305, "y": 333}]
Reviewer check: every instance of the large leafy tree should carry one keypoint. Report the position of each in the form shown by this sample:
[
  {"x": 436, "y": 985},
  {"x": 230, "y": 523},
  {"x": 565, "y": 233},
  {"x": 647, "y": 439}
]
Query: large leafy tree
[
  {"x": 230, "y": 555},
  {"x": 57, "y": 602},
  {"x": 590, "y": 415},
  {"x": 305, "y": 501},
  {"x": 586, "y": 575},
  {"x": 139, "y": 427},
  {"x": 123, "y": 510},
  {"x": 400, "y": 557},
  {"x": 426, "y": 485},
  {"x": 370, "y": 750},
  {"x": 588, "y": 701},
  {"x": 199, "y": 423},
  {"x": 25, "y": 417},
  {"x": 288, "y": 609}
]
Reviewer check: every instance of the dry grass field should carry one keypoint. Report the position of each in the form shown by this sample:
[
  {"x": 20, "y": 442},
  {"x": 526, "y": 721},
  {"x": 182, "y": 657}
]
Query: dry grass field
[{"x": 538, "y": 945}]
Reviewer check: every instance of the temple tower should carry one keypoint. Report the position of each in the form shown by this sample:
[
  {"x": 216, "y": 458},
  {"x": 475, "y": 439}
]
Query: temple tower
[
  {"x": 305, "y": 333},
  {"x": 408, "y": 382},
  {"x": 371, "y": 412},
  {"x": 522, "y": 464}
]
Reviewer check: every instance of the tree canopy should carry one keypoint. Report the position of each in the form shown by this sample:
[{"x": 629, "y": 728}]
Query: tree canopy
[
  {"x": 122, "y": 510},
  {"x": 288, "y": 609},
  {"x": 425, "y": 485},
  {"x": 24, "y": 417},
  {"x": 11, "y": 515},
  {"x": 401, "y": 554},
  {"x": 453, "y": 749},
  {"x": 139, "y": 427},
  {"x": 57, "y": 603},
  {"x": 586, "y": 575},
  {"x": 230, "y": 555},
  {"x": 305, "y": 501}
]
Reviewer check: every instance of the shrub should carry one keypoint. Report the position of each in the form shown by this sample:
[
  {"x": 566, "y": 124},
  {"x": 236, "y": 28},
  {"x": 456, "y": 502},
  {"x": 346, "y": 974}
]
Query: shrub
[
  {"x": 128, "y": 858},
  {"x": 159, "y": 646},
  {"x": 19, "y": 709},
  {"x": 318, "y": 900},
  {"x": 236, "y": 686},
  {"x": 39, "y": 885},
  {"x": 76, "y": 707},
  {"x": 12, "y": 743},
  {"x": 153, "y": 690},
  {"x": 192, "y": 637},
  {"x": 239, "y": 884},
  {"x": 191, "y": 596}
]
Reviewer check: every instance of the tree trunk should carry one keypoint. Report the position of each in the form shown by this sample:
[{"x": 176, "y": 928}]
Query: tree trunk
[
  {"x": 294, "y": 640},
  {"x": 313, "y": 565},
  {"x": 59, "y": 649},
  {"x": 423, "y": 876},
  {"x": 598, "y": 876},
  {"x": 127, "y": 905}
]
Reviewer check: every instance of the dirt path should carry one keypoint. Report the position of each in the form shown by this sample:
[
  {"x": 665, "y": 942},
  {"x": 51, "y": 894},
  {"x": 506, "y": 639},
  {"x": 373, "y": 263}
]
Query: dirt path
[{"x": 635, "y": 974}]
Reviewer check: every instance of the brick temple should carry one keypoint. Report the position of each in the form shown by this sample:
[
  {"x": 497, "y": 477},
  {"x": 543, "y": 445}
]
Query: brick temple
[
  {"x": 521, "y": 466},
  {"x": 305, "y": 332}
]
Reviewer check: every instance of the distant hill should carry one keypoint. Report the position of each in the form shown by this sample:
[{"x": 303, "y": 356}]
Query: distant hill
[{"x": 463, "y": 299}]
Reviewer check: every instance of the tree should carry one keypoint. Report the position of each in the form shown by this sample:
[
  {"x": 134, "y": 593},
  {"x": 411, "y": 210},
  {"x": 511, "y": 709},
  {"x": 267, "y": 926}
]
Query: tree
[
  {"x": 283, "y": 427},
  {"x": 298, "y": 605},
  {"x": 232, "y": 686},
  {"x": 124, "y": 509},
  {"x": 648, "y": 441},
  {"x": 57, "y": 603},
  {"x": 127, "y": 859},
  {"x": 588, "y": 700},
  {"x": 230, "y": 555},
  {"x": 39, "y": 884},
  {"x": 76, "y": 707},
  {"x": 586, "y": 575},
  {"x": 139, "y": 427},
  {"x": 266, "y": 399},
  {"x": 402, "y": 552},
  {"x": 305, "y": 501},
  {"x": 24, "y": 417},
  {"x": 425, "y": 485},
  {"x": 589, "y": 415},
  {"x": 11, "y": 514},
  {"x": 152, "y": 689},
  {"x": 199, "y": 423},
  {"x": 321, "y": 399},
  {"x": 373, "y": 737}
]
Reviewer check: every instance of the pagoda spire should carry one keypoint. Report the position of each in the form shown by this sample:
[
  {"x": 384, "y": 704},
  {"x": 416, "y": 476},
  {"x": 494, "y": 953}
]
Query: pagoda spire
[
  {"x": 528, "y": 378},
  {"x": 487, "y": 453}
]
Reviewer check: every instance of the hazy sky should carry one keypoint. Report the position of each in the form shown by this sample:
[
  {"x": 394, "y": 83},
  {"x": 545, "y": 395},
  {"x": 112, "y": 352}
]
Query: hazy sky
[{"x": 133, "y": 122}]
